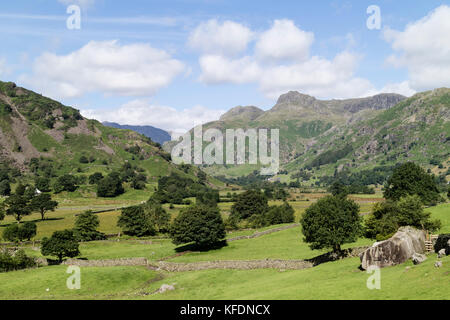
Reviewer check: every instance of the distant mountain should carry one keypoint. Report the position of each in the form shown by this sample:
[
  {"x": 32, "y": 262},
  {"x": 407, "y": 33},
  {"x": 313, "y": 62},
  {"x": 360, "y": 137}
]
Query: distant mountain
[
  {"x": 353, "y": 133},
  {"x": 157, "y": 135}
]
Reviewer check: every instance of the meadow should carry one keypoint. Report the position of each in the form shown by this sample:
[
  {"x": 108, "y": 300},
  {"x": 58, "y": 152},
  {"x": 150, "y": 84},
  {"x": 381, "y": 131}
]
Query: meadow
[{"x": 333, "y": 280}]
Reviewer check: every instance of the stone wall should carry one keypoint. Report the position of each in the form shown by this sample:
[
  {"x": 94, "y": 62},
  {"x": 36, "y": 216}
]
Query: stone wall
[
  {"x": 263, "y": 233},
  {"x": 236, "y": 265}
]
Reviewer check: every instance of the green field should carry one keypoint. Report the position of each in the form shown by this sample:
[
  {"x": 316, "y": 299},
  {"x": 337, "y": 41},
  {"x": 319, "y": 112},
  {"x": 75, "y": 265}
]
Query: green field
[{"x": 334, "y": 280}]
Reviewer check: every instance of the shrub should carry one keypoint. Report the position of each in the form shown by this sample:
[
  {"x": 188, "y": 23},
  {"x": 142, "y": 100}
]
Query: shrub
[
  {"x": 387, "y": 217},
  {"x": 14, "y": 262}
]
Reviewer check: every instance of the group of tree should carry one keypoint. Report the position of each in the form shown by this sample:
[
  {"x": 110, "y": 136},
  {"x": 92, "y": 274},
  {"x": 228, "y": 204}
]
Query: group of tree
[
  {"x": 252, "y": 209},
  {"x": 20, "y": 232},
  {"x": 200, "y": 223},
  {"x": 25, "y": 201},
  {"x": 65, "y": 244},
  {"x": 175, "y": 188},
  {"x": 112, "y": 185},
  {"x": 407, "y": 191},
  {"x": 335, "y": 220},
  {"x": 144, "y": 220}
]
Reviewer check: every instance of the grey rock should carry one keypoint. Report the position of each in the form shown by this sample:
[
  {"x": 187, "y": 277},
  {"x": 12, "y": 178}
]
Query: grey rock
[
  {"x": 166, "y": 287},
  {"x": 396, "y": 250},
  {"x": 418, "y": 258},
  {"x": 438, "y": 264}
]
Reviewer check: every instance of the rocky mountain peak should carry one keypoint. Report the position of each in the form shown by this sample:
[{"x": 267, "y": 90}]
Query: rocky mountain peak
[
  {"x": 248, "y": 112},
  {"x": 296, "y": 98}
]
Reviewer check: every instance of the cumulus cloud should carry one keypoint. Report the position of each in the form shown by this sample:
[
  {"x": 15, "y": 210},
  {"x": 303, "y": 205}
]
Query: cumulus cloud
[
  {"x": 227, "y": 38},
  {"x": 284, "y": 41},
  {"x": 106, "y": 67},
  {"x": 423, "y": 47},
  {"x": 143, "y": 112},
  {"x": 219, "y": 69},
  {"x": 402, "y": 88},
  {"x": 281, "y": 61}
]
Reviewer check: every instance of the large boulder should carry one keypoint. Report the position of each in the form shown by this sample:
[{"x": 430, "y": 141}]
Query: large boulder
[{"x": 396, "y": 250}]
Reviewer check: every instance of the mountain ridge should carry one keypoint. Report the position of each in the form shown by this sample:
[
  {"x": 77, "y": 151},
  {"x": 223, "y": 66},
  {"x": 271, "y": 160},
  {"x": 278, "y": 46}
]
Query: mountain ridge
[{"x": 156, "y": 134}]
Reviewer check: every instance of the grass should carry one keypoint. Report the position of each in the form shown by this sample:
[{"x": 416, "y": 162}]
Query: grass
[
  {"x": 335, "y": 280},
  {"x": 96, "y": 283},
  {"x": 442, "y": 212}
]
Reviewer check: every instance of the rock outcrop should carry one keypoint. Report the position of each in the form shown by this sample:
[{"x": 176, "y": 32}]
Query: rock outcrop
[{"x": 396, "y": 250}]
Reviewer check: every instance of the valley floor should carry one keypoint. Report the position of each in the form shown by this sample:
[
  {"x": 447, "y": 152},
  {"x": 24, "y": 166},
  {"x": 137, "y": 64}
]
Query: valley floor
[{"x": 334, "y": 280}]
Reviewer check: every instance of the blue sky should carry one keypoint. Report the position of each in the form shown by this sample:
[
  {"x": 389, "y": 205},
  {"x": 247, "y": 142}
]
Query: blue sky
[{"x": 173, "y": 63}]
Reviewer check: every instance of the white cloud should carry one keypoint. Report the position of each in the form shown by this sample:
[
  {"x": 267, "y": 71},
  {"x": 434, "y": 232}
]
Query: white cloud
[
  {"x": 219, "y": 69},
  {"x": 402, "y": 88},
  {"x": 281, "y": 61},
  {"x": 284, "y": 41},
  {"x": 106, "y": 67},
  {"x": 228, "y": 38},
  {"x": 142, "y": 112},
  {"x": 318, "y": 77},
  {"x": 424, "y": 49}
]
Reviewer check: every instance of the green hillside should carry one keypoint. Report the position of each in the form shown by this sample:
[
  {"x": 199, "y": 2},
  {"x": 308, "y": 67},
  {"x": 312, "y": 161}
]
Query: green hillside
[
  {"x": 42, "y": 137},
  {"x": 324, "y": 137}
]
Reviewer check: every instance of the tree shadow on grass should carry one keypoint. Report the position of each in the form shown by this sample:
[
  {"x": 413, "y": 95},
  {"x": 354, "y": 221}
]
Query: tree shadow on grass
[
  {"x": 35, "y": 221},
  {"x": 330, "y": 257},
  {"x": 193, "y": 247}
]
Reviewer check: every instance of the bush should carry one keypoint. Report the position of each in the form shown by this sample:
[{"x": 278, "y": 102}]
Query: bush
[
  {"x": 18, "y": 261},
  {"x": 280, "y": 214},
  {"x": 387, "y": 217},
  {"x": 331, "y": 222},
  {"x": 61, "y": 244},
  {"x": 202, "y": 225}
]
